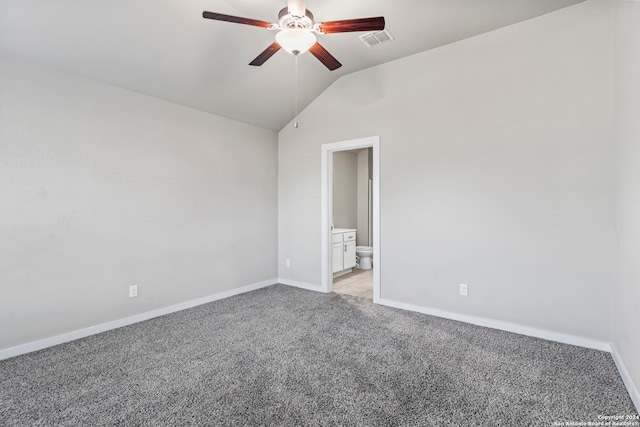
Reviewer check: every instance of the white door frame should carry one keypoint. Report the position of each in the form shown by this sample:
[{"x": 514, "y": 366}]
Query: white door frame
[{"x": 326, "y": 206}]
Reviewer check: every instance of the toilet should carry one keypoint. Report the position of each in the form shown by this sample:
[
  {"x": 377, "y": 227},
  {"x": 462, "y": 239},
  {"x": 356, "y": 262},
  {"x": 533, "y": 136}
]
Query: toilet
[{"x": 364, "y": 254}]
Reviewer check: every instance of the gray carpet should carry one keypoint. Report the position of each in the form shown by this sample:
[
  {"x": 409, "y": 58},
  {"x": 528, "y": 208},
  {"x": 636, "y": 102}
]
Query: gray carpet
[{"x": 285, "y": 356}]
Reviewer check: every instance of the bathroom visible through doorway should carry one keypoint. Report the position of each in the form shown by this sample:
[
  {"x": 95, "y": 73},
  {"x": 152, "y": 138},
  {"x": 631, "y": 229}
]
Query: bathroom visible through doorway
[
  {"x": 352, "y": 242},
  {"x": 350, "y": 218}
]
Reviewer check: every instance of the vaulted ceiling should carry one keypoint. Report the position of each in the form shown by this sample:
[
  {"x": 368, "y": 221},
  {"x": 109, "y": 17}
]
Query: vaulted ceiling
[{"x": 165, "y": 48}]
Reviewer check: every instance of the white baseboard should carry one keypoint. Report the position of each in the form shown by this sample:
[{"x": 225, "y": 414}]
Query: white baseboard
[
  {"x": 302, "y": 285},
  {"x": 92, "y": 330},
  {"x": 504, "y": 326},
  {"x": 626, "y": 378}
]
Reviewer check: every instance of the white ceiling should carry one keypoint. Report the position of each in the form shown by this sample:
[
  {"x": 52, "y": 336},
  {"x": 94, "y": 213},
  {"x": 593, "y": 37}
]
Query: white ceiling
[{"x": 167, "y": 50}]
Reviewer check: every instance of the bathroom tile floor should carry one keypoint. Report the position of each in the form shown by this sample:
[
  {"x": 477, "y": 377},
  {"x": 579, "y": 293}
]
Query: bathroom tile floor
[{"x": 358, "y": 283}]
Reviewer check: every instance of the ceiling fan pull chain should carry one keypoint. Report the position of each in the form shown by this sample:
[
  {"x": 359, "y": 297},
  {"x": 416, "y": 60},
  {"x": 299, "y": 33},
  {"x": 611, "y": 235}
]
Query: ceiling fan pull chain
[{"x": 295, "y": 123}]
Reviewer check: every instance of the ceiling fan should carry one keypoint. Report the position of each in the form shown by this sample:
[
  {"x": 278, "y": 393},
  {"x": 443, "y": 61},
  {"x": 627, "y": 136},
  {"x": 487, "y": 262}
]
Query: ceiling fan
[{"x": 295, "y": 28}]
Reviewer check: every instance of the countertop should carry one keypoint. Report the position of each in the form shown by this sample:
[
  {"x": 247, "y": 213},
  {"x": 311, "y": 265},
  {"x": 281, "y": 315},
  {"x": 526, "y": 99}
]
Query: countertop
[{"x": 343, "y": 230}]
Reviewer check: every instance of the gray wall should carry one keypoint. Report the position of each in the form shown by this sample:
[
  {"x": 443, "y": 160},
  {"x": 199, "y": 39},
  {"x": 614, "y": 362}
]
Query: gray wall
[
  {"x": 626, "y": 306},
  {"x": 102, "y": 188},
  {"x": 362, "y": 236},
  {"x": 345, "y": 194},
  {"x": 496, "y": 171}
]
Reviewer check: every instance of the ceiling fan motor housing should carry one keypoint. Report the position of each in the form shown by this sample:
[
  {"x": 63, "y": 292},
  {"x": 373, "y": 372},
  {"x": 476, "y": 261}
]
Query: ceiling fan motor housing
[{"x": 287, "y": 20}]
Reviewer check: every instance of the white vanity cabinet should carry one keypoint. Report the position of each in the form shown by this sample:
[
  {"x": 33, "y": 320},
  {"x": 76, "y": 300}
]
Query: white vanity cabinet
[{"x": 343, "y": 254}]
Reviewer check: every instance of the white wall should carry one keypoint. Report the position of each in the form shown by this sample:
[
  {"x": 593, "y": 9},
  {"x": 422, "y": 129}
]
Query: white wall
[
  {"x": 102, "y": 188},
  {"x": 496, "y": 171},
  {"x": 626, "y": 306},
  {"x": 345, "y": 189}
]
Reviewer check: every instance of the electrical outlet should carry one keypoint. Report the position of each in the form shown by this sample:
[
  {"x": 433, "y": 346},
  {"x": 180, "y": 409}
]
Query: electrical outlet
[
  {"x": 287, "y": 262},
  {"x": 133, "y": 291},
  {"x": 463, "y": 289}
]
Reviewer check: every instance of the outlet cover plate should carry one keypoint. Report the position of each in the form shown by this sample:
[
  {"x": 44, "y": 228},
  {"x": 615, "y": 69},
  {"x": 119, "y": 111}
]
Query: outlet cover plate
[{"x": 463, "y": 290}]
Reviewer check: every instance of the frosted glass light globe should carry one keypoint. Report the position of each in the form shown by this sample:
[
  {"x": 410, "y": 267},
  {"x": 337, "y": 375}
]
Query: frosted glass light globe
[{"x": 295, "y": 40}]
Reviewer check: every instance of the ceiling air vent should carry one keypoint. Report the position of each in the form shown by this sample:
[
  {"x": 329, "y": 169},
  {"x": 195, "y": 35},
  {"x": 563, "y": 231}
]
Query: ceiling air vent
[{"x": 375, "y": 38}]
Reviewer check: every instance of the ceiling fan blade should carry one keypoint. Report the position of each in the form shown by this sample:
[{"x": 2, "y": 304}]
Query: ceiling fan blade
[
  {"x": 266, "y": 54},
  {"x": 351, "y": 25},
  {"x": 297, "y": 7},
  {"x": 235, "y": 19},
  {"x": 325, "y": 57}
]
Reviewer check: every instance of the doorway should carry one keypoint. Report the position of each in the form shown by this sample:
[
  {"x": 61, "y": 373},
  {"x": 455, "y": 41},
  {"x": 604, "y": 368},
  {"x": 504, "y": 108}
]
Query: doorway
[{"x": 327, "y": 208}]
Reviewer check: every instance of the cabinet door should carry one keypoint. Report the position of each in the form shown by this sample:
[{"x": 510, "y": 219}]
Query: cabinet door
[
  {"x": 337, "y": 258},
  {"x": 349, "y": 255}
]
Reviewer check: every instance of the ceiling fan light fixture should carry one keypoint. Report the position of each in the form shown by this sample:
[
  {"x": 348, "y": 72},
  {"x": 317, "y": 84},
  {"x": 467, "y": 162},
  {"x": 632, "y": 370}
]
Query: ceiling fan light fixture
[{"x": 295, "y": 40}]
